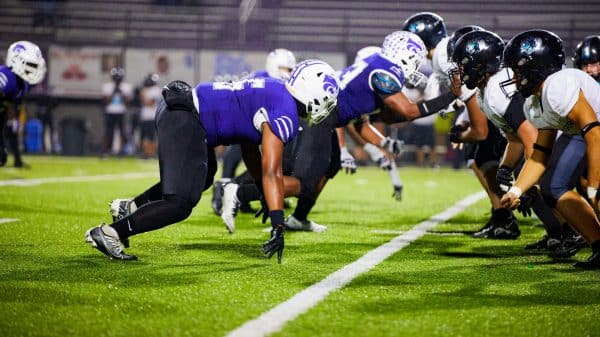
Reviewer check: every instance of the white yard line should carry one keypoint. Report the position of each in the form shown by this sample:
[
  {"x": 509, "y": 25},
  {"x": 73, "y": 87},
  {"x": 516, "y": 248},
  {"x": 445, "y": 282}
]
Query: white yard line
[
  {"x": 76, "y": 179},
  {"x": 274, "y": 319},
  {"x": 7, "y": 220}
]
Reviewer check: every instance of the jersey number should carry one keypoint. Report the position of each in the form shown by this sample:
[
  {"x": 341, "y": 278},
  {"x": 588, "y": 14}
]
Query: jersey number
[
  {"x": 256, "y": 83},
  {"x": 351, "y": 72}
]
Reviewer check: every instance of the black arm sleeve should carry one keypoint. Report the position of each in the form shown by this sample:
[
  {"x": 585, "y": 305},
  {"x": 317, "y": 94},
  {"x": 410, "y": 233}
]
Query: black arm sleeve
[
  {"x": 434, "y": 105},
  {"x": 514, "y": 115}
]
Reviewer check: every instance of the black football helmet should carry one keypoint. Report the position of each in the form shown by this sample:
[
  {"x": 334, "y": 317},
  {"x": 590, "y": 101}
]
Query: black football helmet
[
  {"x": 587, "y": 51},
  {"x": 117, "y": 74},
  {"x": 476, "y": 54},
  {"x": 429, "y": 26},
  {"x": 533, "y": 55},
  {"x": 457, "y": 35},
  {"x": 150, "y": 80}
]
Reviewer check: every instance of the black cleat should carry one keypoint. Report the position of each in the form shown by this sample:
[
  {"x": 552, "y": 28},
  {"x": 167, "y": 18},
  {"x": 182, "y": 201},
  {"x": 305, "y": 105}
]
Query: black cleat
[
  {"x": 569, "y": 247},
  {"x": 498, "y": 232},
  {"x": 217, "y": 197},
  {"x": 109, "y": 245},
  {"x": 545, "y": 243},
  {"x": 592, "y": 262}
]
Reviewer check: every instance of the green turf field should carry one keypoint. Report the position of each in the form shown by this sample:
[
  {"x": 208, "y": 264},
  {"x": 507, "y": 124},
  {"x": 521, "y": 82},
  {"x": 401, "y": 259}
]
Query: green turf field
[{"x": 195, "y": 279}]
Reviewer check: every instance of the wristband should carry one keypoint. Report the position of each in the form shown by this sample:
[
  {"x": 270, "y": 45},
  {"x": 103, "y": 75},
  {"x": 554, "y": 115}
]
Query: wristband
[
  {"x": 592, "y": 192},
  {"x": 516, "y": 191},
  {"x": 276, "y": 217}
]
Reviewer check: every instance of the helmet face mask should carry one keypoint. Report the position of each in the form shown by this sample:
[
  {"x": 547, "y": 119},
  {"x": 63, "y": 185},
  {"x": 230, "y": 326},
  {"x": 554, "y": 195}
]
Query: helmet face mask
[
  {"x": 314, "y": 85},
  {"x": 408, "y": 51},
  {"x": 280, "y": 63},
  {"x": 26, "y": 61},
  {"x": 533, "y": 55}
]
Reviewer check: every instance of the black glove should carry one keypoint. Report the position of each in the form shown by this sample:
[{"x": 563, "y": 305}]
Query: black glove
[
  {"x": 398, "y": 192},
  {"x": 527, "y": 201},
  {"x": 3, "y": 156},
  {"x": 455, "y": 131},
  {"x": 504, "y": 177},
  {"x": 275, "y": 243},
  {"x": 264, "y": 210}
]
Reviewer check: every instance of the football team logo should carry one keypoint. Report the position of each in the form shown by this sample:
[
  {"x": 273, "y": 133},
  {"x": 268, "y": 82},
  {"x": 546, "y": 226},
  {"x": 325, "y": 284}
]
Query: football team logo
[
  {"x": 413, "y": 46},
  {"x": 473, "y": 47},
  {"x": 416, "y": 27},
  {"x": 19, "y": 48},
  {"x": 529, "y": 46},
  {"x": 330, "y": 85}
]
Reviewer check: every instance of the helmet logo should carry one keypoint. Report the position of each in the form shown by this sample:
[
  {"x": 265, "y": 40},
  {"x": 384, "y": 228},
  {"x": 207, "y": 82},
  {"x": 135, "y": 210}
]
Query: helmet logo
[
  {"x": 473, "y": 47},
  {"x": 330, "y": 84},
  {"x": 19, "y": 48},
  {"x": 413, "y": 46},
  {"x": 416, "y": 27},
  {"x": 528, "y": 46}
]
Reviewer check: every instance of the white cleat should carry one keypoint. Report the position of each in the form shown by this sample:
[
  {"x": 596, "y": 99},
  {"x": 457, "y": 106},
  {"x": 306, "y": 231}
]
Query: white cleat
[
  {"x": 308, "y": 226},
  {"x": 231, "y": 205}
]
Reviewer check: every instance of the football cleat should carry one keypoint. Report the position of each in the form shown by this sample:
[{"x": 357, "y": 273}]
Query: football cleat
[
  {"x": 545, "y": 243},
  {"x": 308, "y": 226},
  {"x": 217, "y": 197},
  {"x": 231, "y": 206},
  {"x": 568, "y": 247},
  {"x": 592, "y": 262},
  {"x": 120, "y": 208},
  {"x": 499, "y": 232},
  {"x": 108, "y": 244}
]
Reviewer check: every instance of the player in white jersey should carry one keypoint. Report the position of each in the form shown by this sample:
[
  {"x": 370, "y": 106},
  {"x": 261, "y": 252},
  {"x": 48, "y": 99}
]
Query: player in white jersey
[
  {"x": 566, "y": 100},
  {"x": 477, "y": 57}
]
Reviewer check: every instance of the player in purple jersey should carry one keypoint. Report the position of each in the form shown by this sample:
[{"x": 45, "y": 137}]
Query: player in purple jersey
[
  {"x": 191, "y": 121},
  {"x": 278, "y": 65},
  {"x": 25, "y": 66}
]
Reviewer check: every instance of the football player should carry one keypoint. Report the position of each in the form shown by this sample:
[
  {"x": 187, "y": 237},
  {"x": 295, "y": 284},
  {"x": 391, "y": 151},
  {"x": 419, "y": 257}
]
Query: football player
[
  {"x": 477, "y": 57},
  {"x": 558, "y": 99},
  {"x": 587, "y": 56},
  {"x": 25, "y": 67},
  {"x": 190, "y": 122},
  {"x": 279, "y": 65}
]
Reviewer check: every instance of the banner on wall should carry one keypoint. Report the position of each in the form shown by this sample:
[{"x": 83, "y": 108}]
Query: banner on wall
[
  {"x": 80, "y": 72},
  {"x": 217, "y": 65},
  {"x": 169, "y": 64}
]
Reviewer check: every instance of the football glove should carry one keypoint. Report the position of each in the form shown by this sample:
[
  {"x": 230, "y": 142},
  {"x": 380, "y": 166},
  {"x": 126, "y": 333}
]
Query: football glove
[
  {"x": 348, "y": 162},
  {"x": 392, "y": 145},
  {"x": 504, "y": 177},
  {"x": 455, "y": 131},
  {"x": 378, "y": 156},
  {"x": 276, "y": 242},
  {"x": 527, "y": 201}
]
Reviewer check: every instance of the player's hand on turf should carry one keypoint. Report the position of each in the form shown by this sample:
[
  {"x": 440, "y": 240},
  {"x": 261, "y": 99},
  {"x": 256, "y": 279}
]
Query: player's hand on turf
[
  {"x": 275, "y": 243},
  {"x": 527, "y": 201},
  {"x": 347, "y": 160},
  {"x": 504, "y": 178},
  {"x": 393, "y": 146},
  {"x": 510, "y": 200}
]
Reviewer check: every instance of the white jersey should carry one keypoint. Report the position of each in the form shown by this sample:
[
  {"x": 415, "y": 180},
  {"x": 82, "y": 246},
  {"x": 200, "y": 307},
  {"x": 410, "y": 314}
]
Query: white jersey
[
  {"x": 152, "y": 95},
  {"x": 559, "y": 95},
  {"x": 116, "y": 105},
  {"x": 494, "y": 103}
]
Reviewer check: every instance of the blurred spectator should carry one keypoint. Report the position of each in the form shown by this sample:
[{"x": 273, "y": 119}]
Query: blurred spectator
[
  {"x": 15, "y": 113},
  {"x": 46, "y": 105},
  {"x": 117, "y": 95},
  {"x": 45, "y": 12},
  {"x": 150, "y": 95}
]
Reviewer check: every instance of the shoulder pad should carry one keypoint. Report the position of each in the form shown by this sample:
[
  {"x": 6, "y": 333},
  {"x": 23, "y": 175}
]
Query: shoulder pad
[{"x": 384, "y": 83}]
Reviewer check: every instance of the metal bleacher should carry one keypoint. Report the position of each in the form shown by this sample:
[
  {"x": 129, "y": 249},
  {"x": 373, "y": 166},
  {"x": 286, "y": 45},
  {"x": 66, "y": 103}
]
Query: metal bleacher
[{"x": 331, "y": 25}]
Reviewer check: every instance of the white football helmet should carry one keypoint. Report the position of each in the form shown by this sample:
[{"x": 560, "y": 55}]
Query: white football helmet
[
  {"x": 365, "y": 52},
  {"x": 408, "y": 51},
  {"x": 280, "y": 63},
  {"x": 314, "y": 84},
  {"x": 26, "y": 61}
]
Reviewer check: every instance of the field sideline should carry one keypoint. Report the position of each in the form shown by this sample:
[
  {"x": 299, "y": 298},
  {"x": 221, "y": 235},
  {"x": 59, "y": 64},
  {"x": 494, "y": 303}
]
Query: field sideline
[{"x": 194, "y": 279}]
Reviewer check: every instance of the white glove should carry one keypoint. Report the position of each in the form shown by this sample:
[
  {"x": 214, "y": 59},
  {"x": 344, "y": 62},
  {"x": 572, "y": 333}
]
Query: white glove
[
  {"x": 392, "y": 145},
  {"x": 466, "y": 93},
  {"x": 378, "y": 156},
  {"x": 347, "y": 160}
]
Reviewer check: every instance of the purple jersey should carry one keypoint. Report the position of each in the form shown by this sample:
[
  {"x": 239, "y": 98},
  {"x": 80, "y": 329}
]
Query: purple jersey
[
  {"x": 11, "y": 88},
  {"x": 233, "y": 112},
  {"x": 362, "y": 88}
]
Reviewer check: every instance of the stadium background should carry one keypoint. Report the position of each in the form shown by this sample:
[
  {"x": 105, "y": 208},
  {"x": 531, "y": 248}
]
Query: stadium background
[{"x": 206, "y": 40}]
